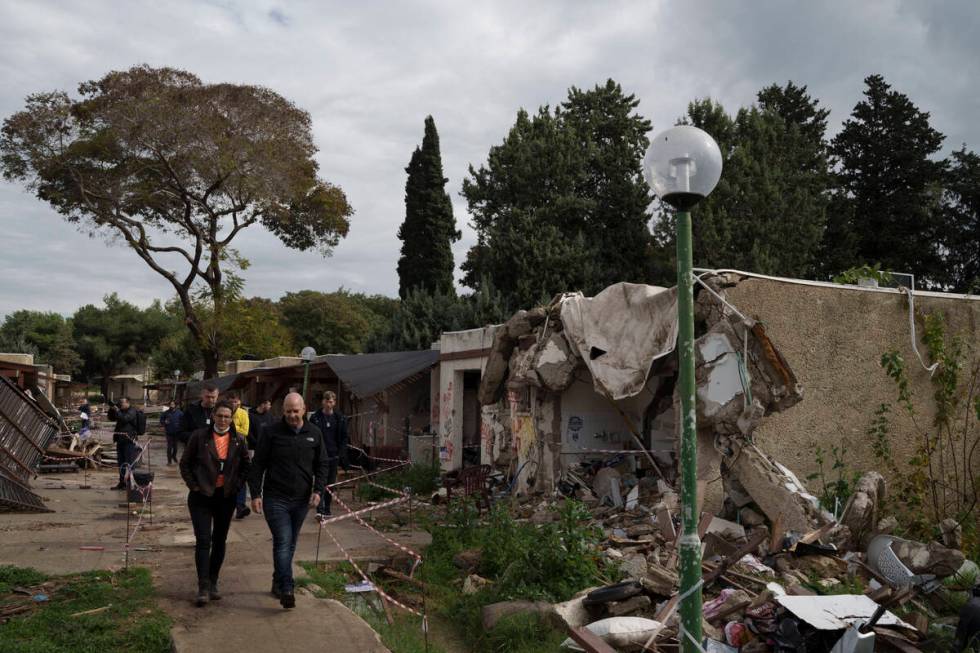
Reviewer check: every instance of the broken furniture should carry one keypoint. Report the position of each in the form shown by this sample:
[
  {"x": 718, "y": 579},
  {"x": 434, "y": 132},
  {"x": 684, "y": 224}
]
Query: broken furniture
[{"x": 470, "y": 482}]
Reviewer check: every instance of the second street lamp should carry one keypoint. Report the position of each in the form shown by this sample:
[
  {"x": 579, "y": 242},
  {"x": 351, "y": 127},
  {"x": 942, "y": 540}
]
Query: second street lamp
[
  {"x": 308, "y": 354},
  {"x": 682, "y": 166}
]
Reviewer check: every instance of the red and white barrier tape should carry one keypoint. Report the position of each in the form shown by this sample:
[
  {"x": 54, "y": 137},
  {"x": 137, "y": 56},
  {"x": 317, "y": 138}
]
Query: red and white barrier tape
[
  {"x": 384, "y": 460},
  {"x": 377, "y": 589},
  {"x": 362, "y": 511},
  {"x": 418, "y": 558},
  {"x": 367, "y": 475},
  {"x": 572, "y": 452}
]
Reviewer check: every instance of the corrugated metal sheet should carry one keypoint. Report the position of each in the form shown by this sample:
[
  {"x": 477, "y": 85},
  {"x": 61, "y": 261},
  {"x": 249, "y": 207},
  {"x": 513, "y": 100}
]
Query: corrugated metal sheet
[{"x": 25, "y": 433}]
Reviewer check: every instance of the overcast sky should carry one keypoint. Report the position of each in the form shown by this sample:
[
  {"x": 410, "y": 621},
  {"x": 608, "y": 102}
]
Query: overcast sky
[{"x": 369, "y": 73}]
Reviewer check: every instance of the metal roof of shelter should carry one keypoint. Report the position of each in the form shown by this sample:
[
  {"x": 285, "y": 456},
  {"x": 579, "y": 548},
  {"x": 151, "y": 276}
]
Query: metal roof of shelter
[
  {"x": 364, "y": 375},
  {"x": 368, "y": 374}
]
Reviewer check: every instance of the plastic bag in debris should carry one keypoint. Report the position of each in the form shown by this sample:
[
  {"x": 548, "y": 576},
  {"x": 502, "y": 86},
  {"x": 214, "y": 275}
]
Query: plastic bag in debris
[{"x": 619, "y": 632}]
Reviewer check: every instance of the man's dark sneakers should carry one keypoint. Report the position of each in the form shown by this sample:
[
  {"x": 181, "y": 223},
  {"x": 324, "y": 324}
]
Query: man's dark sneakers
[
  {"x": 213, "y": 592},
  {"x": 242, "y": 512},
  {"x": 274, "y": 591},
  {"x": 288, "y": 601}
]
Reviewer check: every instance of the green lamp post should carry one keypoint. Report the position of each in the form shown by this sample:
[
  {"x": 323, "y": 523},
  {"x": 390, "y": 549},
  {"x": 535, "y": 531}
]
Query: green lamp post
[
  {"x": 308, "y": 354},
  {"x": 682, "y": 166}
]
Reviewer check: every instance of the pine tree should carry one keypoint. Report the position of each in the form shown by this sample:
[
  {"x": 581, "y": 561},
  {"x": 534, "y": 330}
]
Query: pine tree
[
  {"x": 560, "y": 205},
  {"x": 767, "y": 213},
  {"x": 429, "y": 229},
  {"x": 889, "y": 185}
]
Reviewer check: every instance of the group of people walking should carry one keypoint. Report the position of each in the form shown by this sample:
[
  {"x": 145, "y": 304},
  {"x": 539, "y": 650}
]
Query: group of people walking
[{"x": 286, "y": 464}]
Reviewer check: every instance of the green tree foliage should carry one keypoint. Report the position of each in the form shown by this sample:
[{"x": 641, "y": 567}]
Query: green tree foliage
[
  {"x": 888, "y": 207},
  {"x": 768, "y": 212},
  {"x": 340, "y": 322},
  {"x": 429, "y": 229},
  {"x": 48, "y": 335},
  {"x": 961, "y": 217},
  {"x": 175, "y": 169},
  {"x": 118, "y": 334},
  {"x": 423, "y": 316},
  {"x": 561, "y": 204}
]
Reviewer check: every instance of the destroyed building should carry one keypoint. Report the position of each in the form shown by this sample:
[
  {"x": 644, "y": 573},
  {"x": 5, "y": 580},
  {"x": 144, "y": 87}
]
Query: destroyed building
[{"x": 584, "y": 375}]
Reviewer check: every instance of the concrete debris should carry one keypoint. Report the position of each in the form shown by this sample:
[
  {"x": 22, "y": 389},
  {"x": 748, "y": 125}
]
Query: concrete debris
[
  {"x": 494, "y": 612},
  {"x": 775, "y": 490},
  {"x": 555, "y": 364},
  {"x": 861, "y": 513},
  {"x": 952, "y": 532},
  {"x": 931, "y": 558}
]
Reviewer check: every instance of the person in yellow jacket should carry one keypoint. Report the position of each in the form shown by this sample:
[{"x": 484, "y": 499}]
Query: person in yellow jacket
[{"x": 239, "y": 419}]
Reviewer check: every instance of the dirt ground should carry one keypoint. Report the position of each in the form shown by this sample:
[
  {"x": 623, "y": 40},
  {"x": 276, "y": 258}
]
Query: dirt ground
[{"x": 88, "y": 528}]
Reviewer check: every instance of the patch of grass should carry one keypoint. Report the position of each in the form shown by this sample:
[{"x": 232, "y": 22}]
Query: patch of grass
[
  {"x": 523, "y": 633},
  {"x": 421, "y": 480},
  {"x": 11, "y": 577},
  {"x": 331, "y": 580},
  {"x": 132, "y": 623}
]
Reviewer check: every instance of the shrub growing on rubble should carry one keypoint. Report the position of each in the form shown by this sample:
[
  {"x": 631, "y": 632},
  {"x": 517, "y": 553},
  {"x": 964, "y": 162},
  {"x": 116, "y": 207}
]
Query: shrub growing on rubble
[{"x": 526, "y": 561}]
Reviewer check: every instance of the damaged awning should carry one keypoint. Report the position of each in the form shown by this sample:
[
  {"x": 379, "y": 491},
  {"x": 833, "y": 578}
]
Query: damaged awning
[
  {"x": 366, "y": 375},
  {"x": 25, "y": 432}
]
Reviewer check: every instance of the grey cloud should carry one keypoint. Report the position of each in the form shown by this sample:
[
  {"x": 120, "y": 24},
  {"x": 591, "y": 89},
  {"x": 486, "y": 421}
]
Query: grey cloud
[{"x": 370, "y": 72}]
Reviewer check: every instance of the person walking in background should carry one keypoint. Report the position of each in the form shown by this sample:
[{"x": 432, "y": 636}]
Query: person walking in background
[
  {"x": 170, "y": 421},
  {"x": 198, "y": 415},
  {"x": 239, "y": 418},
  {"x": 287, "y": 476},
  {"x": 124, "y": 435},
  {"x": 85, "y": 414},
  {"x": 258, "y": 418},
  {"x": 333, "y": 425},
  {"x": 214, "y": 466}
]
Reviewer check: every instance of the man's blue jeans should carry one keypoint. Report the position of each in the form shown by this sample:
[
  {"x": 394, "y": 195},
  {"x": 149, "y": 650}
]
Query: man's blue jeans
[{"x": 285, "y": 519}]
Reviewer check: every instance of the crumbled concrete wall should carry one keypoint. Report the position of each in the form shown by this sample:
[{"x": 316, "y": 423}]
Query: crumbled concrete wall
[{"x": 833, "y": 338}]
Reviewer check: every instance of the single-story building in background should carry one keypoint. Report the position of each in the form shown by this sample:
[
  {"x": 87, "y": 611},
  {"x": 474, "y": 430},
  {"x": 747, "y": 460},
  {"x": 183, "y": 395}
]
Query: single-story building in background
[{"x": 385, "y": 395}]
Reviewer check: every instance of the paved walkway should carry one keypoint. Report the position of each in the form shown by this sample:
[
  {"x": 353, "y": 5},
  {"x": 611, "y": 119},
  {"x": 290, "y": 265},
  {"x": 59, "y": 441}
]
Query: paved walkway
[{"x": 248, "y": 618}]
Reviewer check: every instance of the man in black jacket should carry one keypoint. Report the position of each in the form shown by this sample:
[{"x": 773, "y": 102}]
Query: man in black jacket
[
  {"x": 198, "y": 416},
  {"x": 287, "y": 476},
  {"x": 124, "y": 435},
  {"x": 333, "y": 425},
  {"x": 258, "y": 418}
]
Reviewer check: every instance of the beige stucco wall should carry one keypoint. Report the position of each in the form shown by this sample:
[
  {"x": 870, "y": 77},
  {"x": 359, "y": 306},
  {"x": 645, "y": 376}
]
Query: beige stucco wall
[{"x": 833, "y": 338}]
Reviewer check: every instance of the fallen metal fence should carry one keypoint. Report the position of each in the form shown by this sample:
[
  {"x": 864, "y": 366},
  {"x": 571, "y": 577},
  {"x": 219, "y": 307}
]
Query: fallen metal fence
[{"x": 25, "y": 433}]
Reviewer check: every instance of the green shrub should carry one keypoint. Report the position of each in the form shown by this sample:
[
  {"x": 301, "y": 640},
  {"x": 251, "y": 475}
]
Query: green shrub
[{"x": 420, "y": 479}]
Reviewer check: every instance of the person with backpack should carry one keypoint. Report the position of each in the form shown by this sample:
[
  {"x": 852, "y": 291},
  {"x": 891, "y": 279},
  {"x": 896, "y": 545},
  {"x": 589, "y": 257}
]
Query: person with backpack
[{"x": 124, "y": 434}]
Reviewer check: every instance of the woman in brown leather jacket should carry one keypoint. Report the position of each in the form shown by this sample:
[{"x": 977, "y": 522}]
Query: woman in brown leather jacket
[{"x": 214, "y": 466}]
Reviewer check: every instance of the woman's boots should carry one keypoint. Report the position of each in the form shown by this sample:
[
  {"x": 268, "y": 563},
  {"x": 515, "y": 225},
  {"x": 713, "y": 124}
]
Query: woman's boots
[{"x": 203, "y": 592}]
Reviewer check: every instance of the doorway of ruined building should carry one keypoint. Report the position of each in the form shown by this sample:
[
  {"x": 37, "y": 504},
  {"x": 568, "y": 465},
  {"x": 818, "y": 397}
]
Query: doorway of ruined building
[
  {"x": 471, "y": 417},
  {"x": 660, "y": 418}
]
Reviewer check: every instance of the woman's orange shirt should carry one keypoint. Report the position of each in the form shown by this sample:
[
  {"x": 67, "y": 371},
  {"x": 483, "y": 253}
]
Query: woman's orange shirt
[{"x": 221, "y": 444}]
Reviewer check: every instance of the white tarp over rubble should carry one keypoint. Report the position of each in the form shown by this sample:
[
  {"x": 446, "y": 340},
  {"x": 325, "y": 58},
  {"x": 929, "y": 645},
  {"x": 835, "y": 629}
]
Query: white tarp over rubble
[{"x": 620, "y": 332}]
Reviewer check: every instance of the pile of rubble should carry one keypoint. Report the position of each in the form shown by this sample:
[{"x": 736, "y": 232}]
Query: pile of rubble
[{"x": 767, "y": 586}]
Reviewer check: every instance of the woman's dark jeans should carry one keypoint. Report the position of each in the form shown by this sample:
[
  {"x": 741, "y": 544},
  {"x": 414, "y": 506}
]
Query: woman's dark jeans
[
  {"x": 285, "y": 518},
  {"x": 211, "y": 517}
]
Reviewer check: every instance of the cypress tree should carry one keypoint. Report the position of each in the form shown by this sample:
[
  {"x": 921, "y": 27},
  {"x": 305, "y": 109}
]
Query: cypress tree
[
  {"x": 429, "y": 229},
  {"x": 889, "y": 184}
]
